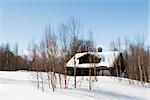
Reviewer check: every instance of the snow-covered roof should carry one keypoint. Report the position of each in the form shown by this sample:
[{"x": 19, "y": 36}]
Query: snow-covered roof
[{"x": 107, "y": 59}]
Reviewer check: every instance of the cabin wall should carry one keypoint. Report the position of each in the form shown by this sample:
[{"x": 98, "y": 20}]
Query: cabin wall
[{"x": 85, "y": 71}]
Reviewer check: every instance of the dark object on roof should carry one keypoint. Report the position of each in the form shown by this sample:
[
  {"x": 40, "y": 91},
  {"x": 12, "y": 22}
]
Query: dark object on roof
[{"x": 99, "y": 49}]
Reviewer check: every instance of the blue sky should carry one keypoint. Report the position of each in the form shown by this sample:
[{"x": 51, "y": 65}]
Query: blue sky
[{"x": 24, "y": 20}]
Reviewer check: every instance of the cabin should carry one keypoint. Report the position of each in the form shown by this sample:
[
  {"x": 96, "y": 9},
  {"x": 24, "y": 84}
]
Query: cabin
[{"x": 108, "y": 63}]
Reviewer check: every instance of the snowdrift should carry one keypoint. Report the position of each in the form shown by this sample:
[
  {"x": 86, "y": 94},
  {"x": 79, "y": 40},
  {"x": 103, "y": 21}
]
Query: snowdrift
[{"x": 18, "y": 86}]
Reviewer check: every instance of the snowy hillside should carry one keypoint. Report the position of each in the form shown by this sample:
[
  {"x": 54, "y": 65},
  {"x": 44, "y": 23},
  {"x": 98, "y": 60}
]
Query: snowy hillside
[{"x": 18, "y": 86}]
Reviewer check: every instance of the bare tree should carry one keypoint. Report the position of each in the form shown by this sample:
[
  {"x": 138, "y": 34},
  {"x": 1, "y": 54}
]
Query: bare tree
[
  {"x": 16, "y": 58},
  {"x": 90, "y": 67},
  {"x": 74, "y": 30},
  {"x": 148, "y": 66},
  {"x": 35, "y": 66},
  {"x": 51, "y": 49},
  {"x": 64, "y": 39}
]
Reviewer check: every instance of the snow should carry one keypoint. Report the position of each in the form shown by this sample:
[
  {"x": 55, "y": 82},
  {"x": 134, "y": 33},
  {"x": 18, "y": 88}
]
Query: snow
[
  {"x": 18, "y": 86},
  {"x": 108, "y": 58}
]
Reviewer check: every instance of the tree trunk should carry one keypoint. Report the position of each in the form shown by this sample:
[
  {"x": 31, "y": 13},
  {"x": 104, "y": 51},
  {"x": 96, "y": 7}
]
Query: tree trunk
[{"x": 74, "y": 71}]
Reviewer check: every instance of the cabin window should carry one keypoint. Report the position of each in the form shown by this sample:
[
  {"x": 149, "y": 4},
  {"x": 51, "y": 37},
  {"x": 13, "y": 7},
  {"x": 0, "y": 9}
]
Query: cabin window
[{"x": 89, "y": 59}]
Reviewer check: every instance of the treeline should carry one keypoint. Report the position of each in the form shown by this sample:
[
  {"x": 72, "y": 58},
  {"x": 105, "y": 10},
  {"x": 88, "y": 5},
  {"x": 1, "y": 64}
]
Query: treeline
[
  {"x": 10, "y": 60},
  {"x": 136, "y": 58}
]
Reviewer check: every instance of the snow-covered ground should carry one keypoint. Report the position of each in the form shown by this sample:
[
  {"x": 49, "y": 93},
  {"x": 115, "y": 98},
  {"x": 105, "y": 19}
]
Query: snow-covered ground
[{"x": 18, "y": 86}]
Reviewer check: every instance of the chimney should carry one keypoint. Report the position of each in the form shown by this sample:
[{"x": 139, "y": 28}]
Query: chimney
[{"x": 99, "y": 49}]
